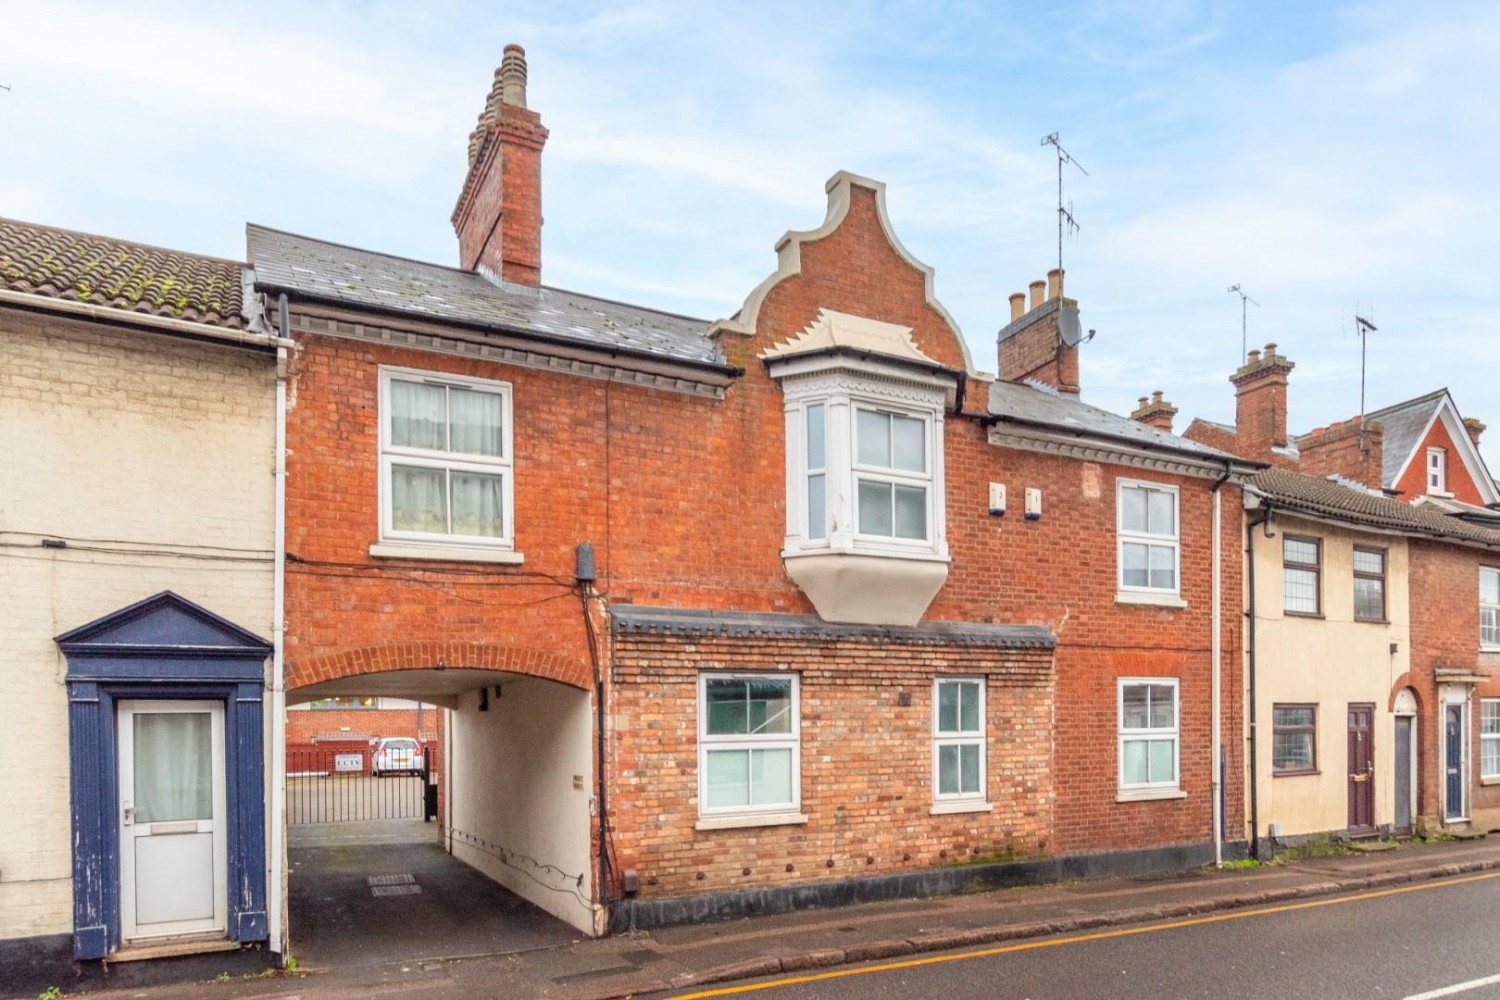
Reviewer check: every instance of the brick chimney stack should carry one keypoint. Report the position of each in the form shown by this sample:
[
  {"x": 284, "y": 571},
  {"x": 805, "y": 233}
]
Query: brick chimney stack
[
  {"x": 498, "y": 217},
  {"x": 1155, "y": 412},
  {"x": 1260, "y": 404},
  {"x": 1354, "y": 449},
  {"x": 1475, "y": 428},
  {"x": 1032, "y": 345}
]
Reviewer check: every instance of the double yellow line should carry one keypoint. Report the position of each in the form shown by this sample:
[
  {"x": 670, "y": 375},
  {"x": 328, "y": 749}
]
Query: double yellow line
[{"x": 1118, "y": 932}]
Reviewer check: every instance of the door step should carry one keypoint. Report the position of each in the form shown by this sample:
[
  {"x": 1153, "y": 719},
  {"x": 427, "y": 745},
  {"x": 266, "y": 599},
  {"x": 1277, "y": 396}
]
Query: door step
[{"x": 170, "y": 949}]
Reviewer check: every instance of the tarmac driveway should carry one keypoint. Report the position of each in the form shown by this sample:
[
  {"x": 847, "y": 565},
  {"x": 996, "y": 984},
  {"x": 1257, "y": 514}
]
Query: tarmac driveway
[{"x": 385, "y": 891}]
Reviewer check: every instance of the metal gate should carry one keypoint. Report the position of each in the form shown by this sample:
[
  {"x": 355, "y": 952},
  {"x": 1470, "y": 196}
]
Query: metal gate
[{"x": 338, "y": 784}]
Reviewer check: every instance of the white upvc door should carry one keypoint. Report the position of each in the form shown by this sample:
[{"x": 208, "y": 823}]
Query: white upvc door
[{"x": 173, "y": 843}]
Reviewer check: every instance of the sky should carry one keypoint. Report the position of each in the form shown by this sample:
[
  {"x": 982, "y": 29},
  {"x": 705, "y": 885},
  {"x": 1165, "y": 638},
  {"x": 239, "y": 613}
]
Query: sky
[{"x": 1332, "y": 159}]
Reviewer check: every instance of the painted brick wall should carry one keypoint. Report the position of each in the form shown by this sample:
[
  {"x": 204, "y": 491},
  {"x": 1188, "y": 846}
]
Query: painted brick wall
[
  {"x": 866, "y": 762},
  {"x": 87, "y": 414}
]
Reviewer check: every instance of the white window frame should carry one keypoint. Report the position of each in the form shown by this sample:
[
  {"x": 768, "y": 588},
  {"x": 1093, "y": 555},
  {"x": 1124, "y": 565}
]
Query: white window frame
[
  {"x": 502, "y": 465},
  {"x": 808, "y": 471},
  {"x": 1149, "y": 788},
  {"x": 743, "y": 741},
  {"x": 1437, "y": 471},
  {"x": 1488, "y": 610},
  {"x": 1123, "y": 536},
  {"x": 894, "y": 477},
  {"x": 842, "y": 392},
  {"x": 959, "y": 737},
  {"x": 1489, "y": 717}
]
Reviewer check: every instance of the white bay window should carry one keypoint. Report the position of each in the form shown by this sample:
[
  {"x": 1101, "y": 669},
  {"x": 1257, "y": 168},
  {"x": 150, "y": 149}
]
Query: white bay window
[{"x": 865, "y": 524}]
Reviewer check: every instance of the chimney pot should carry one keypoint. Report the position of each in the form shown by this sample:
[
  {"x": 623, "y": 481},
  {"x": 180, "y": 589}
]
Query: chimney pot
[
  {"x": 1270, "y": 349},
  {"x": 1038, "y": 289},
  {"x": 1156, "y": 396},
  {"x": 1054, "y": 284},
  {"x": 1254, "y": 356},
  {"x": 1143, "y": 401},
  {"x": 1017, "y": 306},
  {"x": 512, "y": 73}
]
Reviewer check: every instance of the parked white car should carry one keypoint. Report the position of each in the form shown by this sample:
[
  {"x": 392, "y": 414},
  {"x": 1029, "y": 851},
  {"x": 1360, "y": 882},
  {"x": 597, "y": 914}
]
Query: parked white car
[{"x": 396, "y": 755}]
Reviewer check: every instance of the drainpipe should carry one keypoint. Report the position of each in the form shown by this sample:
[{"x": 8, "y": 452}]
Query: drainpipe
[
  {"x": 1254, "y": 769},
  {"x": 276, "y": 855},
  {"x": 1215, "y": 650}
]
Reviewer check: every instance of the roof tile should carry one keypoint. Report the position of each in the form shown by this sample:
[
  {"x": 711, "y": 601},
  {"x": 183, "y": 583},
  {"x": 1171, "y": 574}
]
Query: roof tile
[{"x": 62, "y": 264}]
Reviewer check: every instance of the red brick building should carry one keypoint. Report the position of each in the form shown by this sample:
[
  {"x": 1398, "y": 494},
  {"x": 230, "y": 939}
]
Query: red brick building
[{"x": 790, "y": 608}]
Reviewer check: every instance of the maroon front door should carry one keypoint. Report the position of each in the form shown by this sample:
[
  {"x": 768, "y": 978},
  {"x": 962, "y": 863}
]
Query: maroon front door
[{"x": 1361, "y": 768}]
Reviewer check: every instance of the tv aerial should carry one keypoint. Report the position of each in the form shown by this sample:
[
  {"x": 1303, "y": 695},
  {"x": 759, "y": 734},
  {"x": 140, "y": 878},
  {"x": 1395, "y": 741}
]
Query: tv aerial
[
  {"x": 1065, "y": 219},
  {"x": 1244, "y": 345}
]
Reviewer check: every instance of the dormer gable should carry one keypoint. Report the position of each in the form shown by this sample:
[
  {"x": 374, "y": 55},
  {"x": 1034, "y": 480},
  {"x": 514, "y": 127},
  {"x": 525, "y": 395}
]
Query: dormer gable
[{"x": 1435, "y": 453}]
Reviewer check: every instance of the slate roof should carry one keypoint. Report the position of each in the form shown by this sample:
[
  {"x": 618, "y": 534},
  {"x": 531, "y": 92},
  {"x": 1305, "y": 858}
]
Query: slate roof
[
  {"x": 1404, "y": 424},
  {"x": 1024, "y": 403},
  {"x": 640, "y": 619},
  {"x": 363, "y": 279},
  {"x": 1356, "y": 505},
  {"x": 81, "y": 267}
]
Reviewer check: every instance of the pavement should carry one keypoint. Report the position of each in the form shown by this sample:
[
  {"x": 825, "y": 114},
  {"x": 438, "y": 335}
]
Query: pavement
[{"x": 682, "y": 958}]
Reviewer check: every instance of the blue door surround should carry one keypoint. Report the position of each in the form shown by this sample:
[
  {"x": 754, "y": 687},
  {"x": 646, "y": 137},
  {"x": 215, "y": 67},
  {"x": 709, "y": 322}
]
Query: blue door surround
[{"x": 162, "y": 647}]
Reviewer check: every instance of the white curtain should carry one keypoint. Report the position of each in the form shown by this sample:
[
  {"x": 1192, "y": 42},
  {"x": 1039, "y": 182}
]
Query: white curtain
[
  {"x": 475, "y": 422},
  {"x": 173, "y": 766},
  {"x": 419, "y": 499},
  {"x": 418, "y": 415},
  {"x": 478, "y": 504}
]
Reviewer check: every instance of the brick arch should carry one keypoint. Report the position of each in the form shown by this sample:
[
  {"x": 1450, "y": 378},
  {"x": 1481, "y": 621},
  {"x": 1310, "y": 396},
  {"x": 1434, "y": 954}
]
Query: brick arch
[
  {"x": 1401, "y": 684},
  {"x": 433, "y": 655}
]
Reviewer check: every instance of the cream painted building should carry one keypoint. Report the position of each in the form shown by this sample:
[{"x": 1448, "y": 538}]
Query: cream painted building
[
  {"x": 1334, "y": 749},
  {"x": 137, "y": 527}
]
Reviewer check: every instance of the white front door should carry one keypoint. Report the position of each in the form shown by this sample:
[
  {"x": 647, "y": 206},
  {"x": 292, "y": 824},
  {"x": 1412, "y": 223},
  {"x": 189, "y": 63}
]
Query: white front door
[{"x": 173, "y": 858}]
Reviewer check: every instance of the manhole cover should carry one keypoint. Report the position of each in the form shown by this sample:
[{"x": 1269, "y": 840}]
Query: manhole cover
[
  {"x": 374, "y": 880},
  {"x": 395, "y": 890}
]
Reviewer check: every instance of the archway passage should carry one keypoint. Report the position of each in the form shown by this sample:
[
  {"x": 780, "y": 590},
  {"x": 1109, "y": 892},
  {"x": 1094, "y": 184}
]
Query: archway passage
[{"x": 504, "y": 753}]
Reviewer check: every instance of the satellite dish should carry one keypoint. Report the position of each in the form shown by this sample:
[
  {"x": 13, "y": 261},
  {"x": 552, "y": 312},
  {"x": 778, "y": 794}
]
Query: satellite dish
[{"x": 1068, "y": 330}]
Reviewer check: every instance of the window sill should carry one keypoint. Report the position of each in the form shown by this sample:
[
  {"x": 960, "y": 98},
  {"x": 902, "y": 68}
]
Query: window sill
[
  {"x": 736, "y": 822},
  {"x": 1372, "y": 621},
  {"x": 952, "y": 808},
  {"x": 1295, "y": 774},
  {"x": 445, "y": 553},
  {"x": 1149, "y": 794},
  {"x": 1314, "y": 615},
  {"x": 1492, "y": 780},
  {"x": 1160, "y": 600}
]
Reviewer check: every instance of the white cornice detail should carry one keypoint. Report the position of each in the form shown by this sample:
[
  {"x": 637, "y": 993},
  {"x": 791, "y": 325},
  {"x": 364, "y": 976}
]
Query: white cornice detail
[
  {"x": 789, "y": 259},
  {"x": 856, "y": 379},
  {"x": 1103, "y": 452},
  {"x": 513, "y": 351}
]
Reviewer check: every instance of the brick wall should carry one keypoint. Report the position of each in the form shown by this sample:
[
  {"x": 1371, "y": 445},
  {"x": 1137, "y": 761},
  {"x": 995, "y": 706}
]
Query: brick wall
[
  {"x": 1345, "y": 449},
  {"x": 683, "y": 499},
  {"x": 1445, "y": 634},
  {"x": 866, "y": 762},
  {"x": 1413, "y": 482}
]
